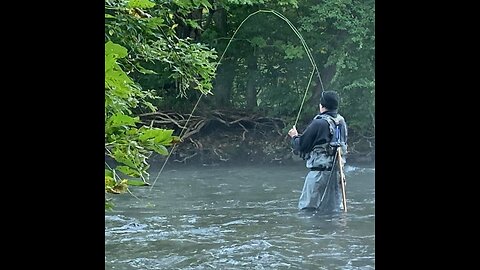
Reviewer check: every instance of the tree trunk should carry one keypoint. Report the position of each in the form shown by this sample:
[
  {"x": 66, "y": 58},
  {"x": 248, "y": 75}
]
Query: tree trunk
[
  {"x": 196, "y": 15},
  {"x": 222, "y": 89},
  {"x": 184, "y": 31},
  {"x": 252, "y": 82},
  {"x": 327, "y": 75},
  {"x": 226, "y": 70}
]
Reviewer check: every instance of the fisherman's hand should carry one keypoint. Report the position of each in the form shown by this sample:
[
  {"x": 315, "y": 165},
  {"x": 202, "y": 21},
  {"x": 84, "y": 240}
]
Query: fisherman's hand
[{"x": 293, "y": 132}]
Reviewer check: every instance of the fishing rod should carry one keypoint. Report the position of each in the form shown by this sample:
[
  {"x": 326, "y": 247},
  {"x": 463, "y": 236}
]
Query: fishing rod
[{"x": 309, "y": 55}]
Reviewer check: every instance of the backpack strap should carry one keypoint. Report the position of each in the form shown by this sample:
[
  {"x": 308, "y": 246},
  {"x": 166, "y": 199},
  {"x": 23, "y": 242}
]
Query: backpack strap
[{"x": 330, "y": 120}]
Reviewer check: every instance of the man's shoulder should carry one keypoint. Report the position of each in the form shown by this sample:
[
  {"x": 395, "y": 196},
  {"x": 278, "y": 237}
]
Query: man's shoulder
[
  {"x": 335, "y": 120},
  {"x": 320, "y": 121}
]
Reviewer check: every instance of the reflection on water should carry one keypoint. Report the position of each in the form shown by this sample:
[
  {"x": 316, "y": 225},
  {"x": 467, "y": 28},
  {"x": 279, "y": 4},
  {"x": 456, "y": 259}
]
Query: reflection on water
[{"x": 245, "y": 217}]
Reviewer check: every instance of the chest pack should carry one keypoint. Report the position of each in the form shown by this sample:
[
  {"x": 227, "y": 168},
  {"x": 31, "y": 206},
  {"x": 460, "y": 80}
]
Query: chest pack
[
  {"x": 338, "y": 132},
  {"x": 321, "y": 157}
]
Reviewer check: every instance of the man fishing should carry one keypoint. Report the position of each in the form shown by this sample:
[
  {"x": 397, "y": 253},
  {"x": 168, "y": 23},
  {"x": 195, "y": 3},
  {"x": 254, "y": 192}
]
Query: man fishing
[{"x": 318, "y": 144}]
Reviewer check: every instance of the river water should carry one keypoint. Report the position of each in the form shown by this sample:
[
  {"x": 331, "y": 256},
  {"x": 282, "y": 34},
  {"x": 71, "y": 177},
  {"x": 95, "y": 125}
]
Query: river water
[{"x": 239, "y": 218}]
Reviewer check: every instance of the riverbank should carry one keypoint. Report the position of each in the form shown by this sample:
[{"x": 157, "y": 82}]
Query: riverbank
[
  {"x": 265, "y": 147},
  {"x": 221, "y": 138}
]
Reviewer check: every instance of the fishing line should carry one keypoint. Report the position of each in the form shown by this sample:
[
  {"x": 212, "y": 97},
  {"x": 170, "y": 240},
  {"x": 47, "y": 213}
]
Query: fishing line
[{"x": 309, "y": 55}]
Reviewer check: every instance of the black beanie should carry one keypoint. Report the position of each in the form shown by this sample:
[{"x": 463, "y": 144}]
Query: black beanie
[{"x": 329, "y": 100}]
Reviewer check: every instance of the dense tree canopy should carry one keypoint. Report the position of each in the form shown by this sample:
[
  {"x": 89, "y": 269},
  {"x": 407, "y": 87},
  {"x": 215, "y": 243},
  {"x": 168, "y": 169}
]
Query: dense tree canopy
[{"x": 265, "y": 68}]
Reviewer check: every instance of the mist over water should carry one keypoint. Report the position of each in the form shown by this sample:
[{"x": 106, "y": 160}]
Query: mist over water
[{"x": 239, "y": 217}]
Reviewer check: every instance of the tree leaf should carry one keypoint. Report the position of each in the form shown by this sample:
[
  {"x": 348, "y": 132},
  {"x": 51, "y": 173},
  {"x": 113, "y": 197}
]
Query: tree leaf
[
  {"x": 118, "y": 120},
  {"x": 128, "y": 171},
  {"x": 162, "y": 150},
  {"x": 259, "y": 41},
  {"x": 145, "y": 71},
  {"x": 159, "y": 135},
  {"x": 109, "y": 182},
  {"x": 115, "y": 49},
  {"x": 140, "y": 4},
  {"x": 108, "y": 173},
  {"x": 132, "y": 182},
  {"x": 155, "y": 21},
  {"x": 123, "y": 158}
]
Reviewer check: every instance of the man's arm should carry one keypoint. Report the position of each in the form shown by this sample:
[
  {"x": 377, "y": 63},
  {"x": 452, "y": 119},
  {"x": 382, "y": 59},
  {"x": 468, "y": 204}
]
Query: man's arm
[{"x": 304, "y": 142}]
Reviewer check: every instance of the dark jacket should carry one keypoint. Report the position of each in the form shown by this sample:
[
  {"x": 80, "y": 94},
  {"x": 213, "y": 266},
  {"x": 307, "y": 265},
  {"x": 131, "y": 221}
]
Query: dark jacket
[{"x": 317, "y": 133}]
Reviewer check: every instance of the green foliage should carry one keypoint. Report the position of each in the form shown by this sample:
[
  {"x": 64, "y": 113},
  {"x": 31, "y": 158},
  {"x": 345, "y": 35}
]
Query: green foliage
[
  {"x": 293, "y": 52},
  {"x": 151, "y": 39},
  {"x": 187, "y": 5},
  {"x": 144, "y": 51},
  {"x": 293, "y": 3},
  {"x": 140, "y": 4},
  {"x": 121, "y": 94},
  {"x": 132, "y": 182},
  {"x": 190, "y": 63},
  {"x": 341, "y": 37},
  {"x": 349, "y": 28},
  {"x": 282, "y": 65},
  {"x": 127, "y": 144}
]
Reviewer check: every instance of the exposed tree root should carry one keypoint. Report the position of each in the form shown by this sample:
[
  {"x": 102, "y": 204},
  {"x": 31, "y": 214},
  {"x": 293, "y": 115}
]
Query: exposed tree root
[{"x": 221, "y": 136}]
